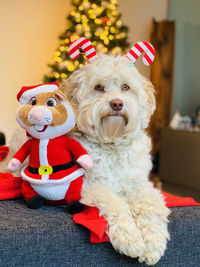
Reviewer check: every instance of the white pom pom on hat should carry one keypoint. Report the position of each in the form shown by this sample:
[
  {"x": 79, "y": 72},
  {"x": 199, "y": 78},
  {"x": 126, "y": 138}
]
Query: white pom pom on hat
[{"x": 27, "y": 92}]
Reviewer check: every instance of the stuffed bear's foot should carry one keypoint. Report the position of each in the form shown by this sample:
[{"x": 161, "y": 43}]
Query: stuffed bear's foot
[
  {"x": 35, "y": 202},
  {"x": 74, "y": 207}
]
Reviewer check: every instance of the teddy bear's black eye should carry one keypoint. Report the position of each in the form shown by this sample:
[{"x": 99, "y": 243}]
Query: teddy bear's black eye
[
  {"x": 51, "y": 102},
  {"x": 125, "y": 87},
  {"x": 99, "y": 87},
  {"x": 33, "y": 101}
]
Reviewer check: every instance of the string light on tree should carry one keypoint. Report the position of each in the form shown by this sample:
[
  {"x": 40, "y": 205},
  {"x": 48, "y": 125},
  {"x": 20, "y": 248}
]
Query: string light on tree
[{"x": 96, "y": 20}]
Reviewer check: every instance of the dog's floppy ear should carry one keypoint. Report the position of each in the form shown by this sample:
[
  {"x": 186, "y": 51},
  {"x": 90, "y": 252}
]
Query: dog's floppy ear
[
  {"x": 72, "y": 87},
  {"x": 149, "y": 104}
]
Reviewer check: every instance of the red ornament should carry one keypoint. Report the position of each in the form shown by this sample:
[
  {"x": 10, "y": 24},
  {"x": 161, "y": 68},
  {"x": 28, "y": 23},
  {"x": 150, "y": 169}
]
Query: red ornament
[{"x": 105, "y": 20}]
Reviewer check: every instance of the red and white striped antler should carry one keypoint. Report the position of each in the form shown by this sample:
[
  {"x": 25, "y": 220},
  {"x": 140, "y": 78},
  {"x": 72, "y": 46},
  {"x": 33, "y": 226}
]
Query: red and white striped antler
[
  {"x": 86, "y": 46},
  {"x": 138, "y": 49}
]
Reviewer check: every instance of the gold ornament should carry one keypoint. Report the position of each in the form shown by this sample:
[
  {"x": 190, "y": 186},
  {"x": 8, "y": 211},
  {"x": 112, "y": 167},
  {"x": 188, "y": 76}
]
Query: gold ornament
[
  {"x": 62, "y": 48},
  {"x": 86, "y": 28},
  {"x": 112, "y": 29},
  {"x": 79, "y": 28},
  {"x": 104, "y": 50},
  {"x": 99, "y": 48},
  {"x": 66, "y": 41},
  {"x": 117, "y": 50},
  {"x": 88, "y": 35},
  {"x": 94, "y": 6},
  {"x": 112, "y": 6},
  {"x": 98, "y": 21},
  {"x": 63, "y": 75},
  {"x": 100, "y": 30},
  {"x": 119, "y": 23},
  {"x": 58, "y": 59},
  {"x": 73, "y": 13},
  {"x": 93, "y": 16},
  {"x": 91, "y": 11},
  {"x": 56, "y": 75},
  {"x": 57, "y": 53},
  {"x": 86, "y": 4},
  {"x": 106, "y": 41},
  {"x": 80, "y": 8},
  {"x": 70, "y": 67},
  {"x": 74, "y": 37},
  {"x": 114, "y": 13},
  {"x": 105, "y": 4}
]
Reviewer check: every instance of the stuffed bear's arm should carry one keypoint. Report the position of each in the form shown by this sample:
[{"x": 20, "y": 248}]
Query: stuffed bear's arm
[
  {"x": 19, "y": 157},
  {"x": 85, "y": 161},
  {"x": 79, "y": 152},
  {"x": 13, "y": 164}
]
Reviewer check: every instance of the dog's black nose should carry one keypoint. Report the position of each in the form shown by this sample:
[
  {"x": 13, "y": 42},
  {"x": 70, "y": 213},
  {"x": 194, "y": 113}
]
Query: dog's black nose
[{"x": 116, "y": 104}]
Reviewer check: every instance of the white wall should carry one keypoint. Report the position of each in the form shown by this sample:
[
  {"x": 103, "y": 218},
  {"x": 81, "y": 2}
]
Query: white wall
[
  {"x": 29, "y": 31},
  {"x": 186, "y": 93},
  {"x": 138, "y": 14}
]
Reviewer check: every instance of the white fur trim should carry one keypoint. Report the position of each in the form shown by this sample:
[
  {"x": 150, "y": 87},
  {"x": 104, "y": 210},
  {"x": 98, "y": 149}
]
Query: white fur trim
[
  {"x": 63, "y": 180},
  {"x": 43, "y": 156},
  {"x": 45, "y": 88},
  {"x": 56, "y": 192},
  {"x": 43, "y": 152}
]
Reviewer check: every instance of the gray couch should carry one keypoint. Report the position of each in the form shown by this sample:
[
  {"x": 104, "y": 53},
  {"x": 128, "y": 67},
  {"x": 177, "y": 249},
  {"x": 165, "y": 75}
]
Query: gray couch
[{"x": 49, "y": 237}]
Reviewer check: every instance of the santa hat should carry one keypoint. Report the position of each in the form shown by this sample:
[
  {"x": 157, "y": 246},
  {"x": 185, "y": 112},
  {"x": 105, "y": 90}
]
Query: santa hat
[{"x": 27, "y": 92}]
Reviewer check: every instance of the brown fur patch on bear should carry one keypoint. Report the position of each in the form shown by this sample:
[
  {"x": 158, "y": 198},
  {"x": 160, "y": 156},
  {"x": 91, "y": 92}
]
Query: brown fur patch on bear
[{"x": 59, "y": 112}]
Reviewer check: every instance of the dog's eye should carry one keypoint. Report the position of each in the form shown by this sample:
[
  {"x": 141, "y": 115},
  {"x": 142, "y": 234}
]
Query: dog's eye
[
  {"x": 125, "y": 87},
  {"x": 99, "y": 87},
  {"x": 33, "y": 101},
  {"x": 51, "y": 102}
]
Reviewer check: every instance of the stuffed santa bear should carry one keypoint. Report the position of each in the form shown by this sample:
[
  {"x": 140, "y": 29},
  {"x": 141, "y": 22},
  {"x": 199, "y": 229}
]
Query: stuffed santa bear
[{"x": 52, "y": 173}]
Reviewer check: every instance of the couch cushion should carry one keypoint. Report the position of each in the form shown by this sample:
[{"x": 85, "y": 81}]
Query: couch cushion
[{"x": 49, "y": 237}]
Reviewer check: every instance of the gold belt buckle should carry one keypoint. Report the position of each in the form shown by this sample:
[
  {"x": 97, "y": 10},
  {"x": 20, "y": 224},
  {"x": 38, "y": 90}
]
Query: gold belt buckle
[{"x": 45, "y": 170}]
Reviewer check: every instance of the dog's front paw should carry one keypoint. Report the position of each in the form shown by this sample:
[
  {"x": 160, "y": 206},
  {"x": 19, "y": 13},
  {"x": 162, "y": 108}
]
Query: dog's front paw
[
  {"x": 126, "y": 238},
  {"x": 155, "y": 245}
]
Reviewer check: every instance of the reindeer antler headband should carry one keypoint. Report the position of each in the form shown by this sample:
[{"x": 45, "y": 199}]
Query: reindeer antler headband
[{"x": 132, "y": 55}]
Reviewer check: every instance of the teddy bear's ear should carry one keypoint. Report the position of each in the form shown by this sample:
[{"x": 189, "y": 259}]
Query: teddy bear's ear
[{"x": 60, "y": 95}]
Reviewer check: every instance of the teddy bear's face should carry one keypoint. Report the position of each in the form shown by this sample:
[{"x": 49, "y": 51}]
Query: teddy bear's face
[{"x": 46, "y": 115}]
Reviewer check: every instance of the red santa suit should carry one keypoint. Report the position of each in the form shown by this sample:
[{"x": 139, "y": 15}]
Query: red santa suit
[{"x": 52, "y": 172}]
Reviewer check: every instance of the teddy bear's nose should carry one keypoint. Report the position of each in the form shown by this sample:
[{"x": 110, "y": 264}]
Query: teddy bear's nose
[
  {"x": 40, "y": 115},
  {"x": 116, "y": 104}
]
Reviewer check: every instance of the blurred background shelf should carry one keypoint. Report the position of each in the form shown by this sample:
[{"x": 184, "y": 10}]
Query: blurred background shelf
[{"x": 179, "y": 168}]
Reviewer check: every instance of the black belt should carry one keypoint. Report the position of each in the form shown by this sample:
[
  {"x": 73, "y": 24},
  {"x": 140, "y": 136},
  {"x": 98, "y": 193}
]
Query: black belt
[{"x": 56, "y": 168}]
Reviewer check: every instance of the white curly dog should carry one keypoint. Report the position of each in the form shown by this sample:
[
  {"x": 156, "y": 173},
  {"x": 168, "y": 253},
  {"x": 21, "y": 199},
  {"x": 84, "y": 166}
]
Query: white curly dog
[{"x": 113, "y": 104}]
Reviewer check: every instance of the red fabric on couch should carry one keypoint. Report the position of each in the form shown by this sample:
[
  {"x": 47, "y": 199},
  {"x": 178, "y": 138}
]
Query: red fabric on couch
[
  {"x": 3, "y": 152},
  {"x": 97, "y": 225}
]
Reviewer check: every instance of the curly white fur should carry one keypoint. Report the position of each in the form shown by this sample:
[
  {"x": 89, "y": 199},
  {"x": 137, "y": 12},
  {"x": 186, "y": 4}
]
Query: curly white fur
[{"x": 118, "y": 183}]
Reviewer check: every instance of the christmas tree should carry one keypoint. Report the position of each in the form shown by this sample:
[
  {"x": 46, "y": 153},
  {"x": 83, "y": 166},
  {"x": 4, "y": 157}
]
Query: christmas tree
[{"x": 96, "y": 20}]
